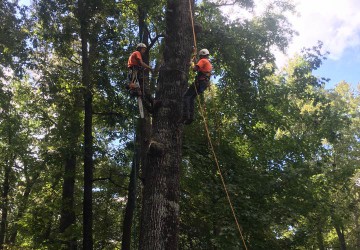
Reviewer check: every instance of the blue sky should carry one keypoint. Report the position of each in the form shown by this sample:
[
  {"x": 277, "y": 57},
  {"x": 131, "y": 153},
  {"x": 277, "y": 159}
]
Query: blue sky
[
  {"x": 346, "y": 68},
  {"x": 337, "y": 24}
]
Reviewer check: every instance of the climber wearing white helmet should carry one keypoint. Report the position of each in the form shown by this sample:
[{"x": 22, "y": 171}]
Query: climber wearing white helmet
[
  {"x": 135, "y": 59},
  {"x": 202, "y": 81},
  {"x": 136, "y": 86}
]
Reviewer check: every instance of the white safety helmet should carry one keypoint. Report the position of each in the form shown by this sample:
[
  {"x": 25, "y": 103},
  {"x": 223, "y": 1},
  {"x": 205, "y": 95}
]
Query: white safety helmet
[
  {"x": 141, "y": 45},
  {"x": 204, "y": 52}
]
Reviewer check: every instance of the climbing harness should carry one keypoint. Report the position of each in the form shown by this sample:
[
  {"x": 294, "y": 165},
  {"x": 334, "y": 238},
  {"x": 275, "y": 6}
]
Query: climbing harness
[{"x": 202, "y": 112}]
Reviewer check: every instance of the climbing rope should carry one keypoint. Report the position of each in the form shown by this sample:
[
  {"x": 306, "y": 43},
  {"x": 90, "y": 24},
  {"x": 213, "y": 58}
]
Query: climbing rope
[
  {"x": 192, "y": 23},
  {"x": 202, "y": 112}
]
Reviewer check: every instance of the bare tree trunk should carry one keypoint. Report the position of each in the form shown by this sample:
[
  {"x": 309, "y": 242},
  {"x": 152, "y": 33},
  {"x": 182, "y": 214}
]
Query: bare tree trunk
[
  {"x": 160, "y": 211},
  {"x": 88, "y": 139}
]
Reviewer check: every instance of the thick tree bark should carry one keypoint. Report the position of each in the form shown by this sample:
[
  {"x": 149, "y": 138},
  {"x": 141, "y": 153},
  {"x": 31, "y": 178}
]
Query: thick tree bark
[
  {"x": 160, "y": 211},
  {"x": 88, "y": 139}
]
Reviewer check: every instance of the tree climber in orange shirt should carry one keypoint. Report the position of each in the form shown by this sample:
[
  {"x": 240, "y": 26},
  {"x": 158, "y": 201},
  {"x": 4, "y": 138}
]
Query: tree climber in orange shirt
[
  {"x": 137, "y": 79},
  {"x": 202, "y": 82}
]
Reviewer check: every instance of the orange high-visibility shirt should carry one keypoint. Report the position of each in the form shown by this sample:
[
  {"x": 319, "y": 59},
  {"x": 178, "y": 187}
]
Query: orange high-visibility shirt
[
  {"x": 135, "y": 59},
  {"x": 204, "y": 65}
]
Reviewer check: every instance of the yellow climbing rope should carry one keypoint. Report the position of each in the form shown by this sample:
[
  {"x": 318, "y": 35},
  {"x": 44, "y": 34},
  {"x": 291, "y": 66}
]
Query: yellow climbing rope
[{"x": 211, "y": 144}]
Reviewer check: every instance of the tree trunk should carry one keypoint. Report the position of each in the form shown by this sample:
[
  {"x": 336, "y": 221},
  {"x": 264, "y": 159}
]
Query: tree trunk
[
  {"x": 88, "y": 139},
  {"x": 4, "y": 204},
  {"x": 67, "y": 213},
  {"x": 142, "y": 140},
  {"x": 341, "y": 236},
  {"x": 72, "y": 134},
  {"x": 160, "y": 211},
  {"x": 144, "y": 124},
  {"x": 130, "y": 205},
  {"x": 6, "y": 187}
]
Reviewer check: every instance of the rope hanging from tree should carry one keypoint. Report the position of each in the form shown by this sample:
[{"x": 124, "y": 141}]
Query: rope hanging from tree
[{"x": 202, "y": 112}]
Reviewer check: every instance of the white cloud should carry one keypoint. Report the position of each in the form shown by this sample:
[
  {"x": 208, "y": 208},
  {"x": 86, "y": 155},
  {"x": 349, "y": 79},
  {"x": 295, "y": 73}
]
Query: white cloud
[{"x": 336, "y": 23}]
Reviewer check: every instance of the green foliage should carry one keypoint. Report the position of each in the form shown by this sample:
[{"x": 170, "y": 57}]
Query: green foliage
[
  {"x": 287, "y": 147},
  {"x": 271, "y": 150},
  {"x": 13, "y": 34}
]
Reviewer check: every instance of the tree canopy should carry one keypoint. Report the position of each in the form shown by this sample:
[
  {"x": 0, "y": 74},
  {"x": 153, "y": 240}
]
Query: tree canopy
[{"x": 81, "y": 170}]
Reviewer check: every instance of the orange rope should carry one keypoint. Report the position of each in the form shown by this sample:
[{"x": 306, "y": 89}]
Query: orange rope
[
  {"x": 218, "y": 167},
  {"x": 212, "y": 147},
  {"x": 192, "y": 24}
]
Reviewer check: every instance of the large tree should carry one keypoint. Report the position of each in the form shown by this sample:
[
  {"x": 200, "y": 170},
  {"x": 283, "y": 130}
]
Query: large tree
[{"x": 160, "y": 210}]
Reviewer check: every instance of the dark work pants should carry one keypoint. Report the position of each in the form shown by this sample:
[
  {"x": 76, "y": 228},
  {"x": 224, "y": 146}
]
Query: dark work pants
[{"x": 189, "y": 98}]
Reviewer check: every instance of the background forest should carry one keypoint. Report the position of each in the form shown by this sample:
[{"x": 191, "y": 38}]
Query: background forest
[{"x": 72, "y": 143}]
